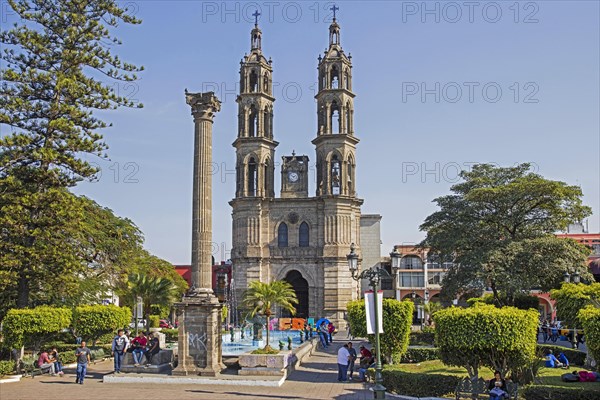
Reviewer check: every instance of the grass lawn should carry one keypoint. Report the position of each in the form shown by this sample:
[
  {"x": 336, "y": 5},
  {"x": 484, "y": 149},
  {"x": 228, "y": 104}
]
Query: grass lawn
[{"x": 546, "y": 376}]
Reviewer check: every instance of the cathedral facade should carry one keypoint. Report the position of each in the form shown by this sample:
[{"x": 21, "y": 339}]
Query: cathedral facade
[{"x": 297, "y": 237}]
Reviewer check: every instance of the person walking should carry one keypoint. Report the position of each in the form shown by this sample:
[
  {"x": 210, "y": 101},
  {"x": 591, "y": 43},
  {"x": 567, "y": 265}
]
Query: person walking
[
  {"x": 119, "y": 346},
  {"x": 330, "y": 331},
  {"x": 324, "y": 335},
  {"x": 353, "y": 356},
  {"x": 343, "y": 357},
  {"x": 83, "y": 359}
]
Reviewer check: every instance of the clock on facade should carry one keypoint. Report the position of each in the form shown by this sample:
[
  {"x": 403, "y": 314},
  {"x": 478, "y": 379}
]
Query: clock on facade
[{"x": 293, "y": 176}]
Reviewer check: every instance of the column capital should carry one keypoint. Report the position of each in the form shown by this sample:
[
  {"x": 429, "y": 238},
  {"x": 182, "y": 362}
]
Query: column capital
[{"x": 204, "y": 105}]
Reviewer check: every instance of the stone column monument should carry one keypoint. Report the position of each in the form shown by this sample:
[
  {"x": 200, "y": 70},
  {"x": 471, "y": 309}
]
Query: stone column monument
[{"x": 199, "y": 312}]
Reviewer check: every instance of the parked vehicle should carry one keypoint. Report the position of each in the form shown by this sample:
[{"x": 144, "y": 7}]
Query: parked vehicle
[
  {"x": 165, "y": 323},
  {"x": 140, "y": 324}
]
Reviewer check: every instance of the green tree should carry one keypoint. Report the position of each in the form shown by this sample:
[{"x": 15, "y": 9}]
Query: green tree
[
  {"x": 397, "y": 320},
  {"x": 498, "y": 228},
  {"x": 56, "y": 62},
  {"x": 152, "y": 290},
  {"x": 93, "y": 321},
  {"x": 571, "y": 298},
  {"x": 77, "y": 262},
  {"x": 502, "y": 339},
  {"x": 261, "y": 298}
]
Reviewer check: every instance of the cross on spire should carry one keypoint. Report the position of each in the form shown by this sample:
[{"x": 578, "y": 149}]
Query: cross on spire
[
  {"x": 334, "y": 9},
  {"x": 255, "y": 15}
]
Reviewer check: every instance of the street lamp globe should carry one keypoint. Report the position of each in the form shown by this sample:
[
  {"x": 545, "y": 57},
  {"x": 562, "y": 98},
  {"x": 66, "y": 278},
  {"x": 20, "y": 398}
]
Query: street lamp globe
[
  {"x": 395, "y": 256},
  {"x": 352, "y": 259},
  {"x": 576, "y": 277},
  {"x": 567, "y": 277}
]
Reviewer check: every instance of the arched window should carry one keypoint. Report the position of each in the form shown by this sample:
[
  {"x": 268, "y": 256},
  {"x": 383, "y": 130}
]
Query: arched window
[
  {"x": 266, "y": 83},
  {"x": 253, "y": 122},
  {"x": 347, "y": 80},
  {"x": 334, "y": 121},
  {"x": 334, "y": 77},
  {"x": 253, "y": 81},
  {"x": 336, "y": 173},
  {"x": 348, "y": 118},
  {"x": 252, "y": 177},
  {"x": 266, "y": 179},
  {"x": 282, "y": 235},
  {"x": 303, "y": 235}
]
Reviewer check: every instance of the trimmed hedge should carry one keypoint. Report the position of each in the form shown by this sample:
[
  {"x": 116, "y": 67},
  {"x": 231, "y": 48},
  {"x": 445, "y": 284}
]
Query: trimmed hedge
[
  {"x": 94, "y": 321},
  {"x": 171, "y": 335},
  {"x": 422, "y": 338},
  {"x": 576, "y": 357},
  {"x": 7, "y": 367},
  {"x": 397, "y": 320},
  {"x": 154, "y": 321},
  {"x": 420, "y": 354},
  {"x": 418, "y": 384},
  {"x": 590, "y": 319},
  {"x": 34, "y": 326},
  {"x": 541, "y": 392},
  {"x": 68, "y": 357},
  {"x": 502, "y": 339}
]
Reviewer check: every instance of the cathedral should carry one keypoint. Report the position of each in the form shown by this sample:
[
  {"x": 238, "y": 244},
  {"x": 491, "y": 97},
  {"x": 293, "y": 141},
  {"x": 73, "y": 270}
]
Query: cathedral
[{"x": 297, "y": 237}]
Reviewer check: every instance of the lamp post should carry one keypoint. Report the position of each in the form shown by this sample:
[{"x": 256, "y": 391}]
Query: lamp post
[
  {"x": 575, "y": 278},
  {"x": 374, "y": 276},
  {"x": 425, "y": 301},
  {"x": 396, "y": 257}
]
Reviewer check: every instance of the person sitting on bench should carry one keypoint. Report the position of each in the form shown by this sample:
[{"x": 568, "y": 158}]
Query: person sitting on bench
[{"x": 497, "y": 387}]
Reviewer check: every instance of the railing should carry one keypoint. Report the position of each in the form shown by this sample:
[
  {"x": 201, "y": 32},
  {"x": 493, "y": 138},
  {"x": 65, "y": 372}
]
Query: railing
[{"x": 298, "y": 252}]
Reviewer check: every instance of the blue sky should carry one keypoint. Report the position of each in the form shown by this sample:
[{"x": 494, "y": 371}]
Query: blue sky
[{"x": 439, "y": 86}]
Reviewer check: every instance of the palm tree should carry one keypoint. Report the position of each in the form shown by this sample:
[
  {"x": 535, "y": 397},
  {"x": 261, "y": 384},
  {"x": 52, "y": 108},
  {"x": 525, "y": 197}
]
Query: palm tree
[
  {"x": 260, "y": 298},
  {"x": 152, "y": 290}
]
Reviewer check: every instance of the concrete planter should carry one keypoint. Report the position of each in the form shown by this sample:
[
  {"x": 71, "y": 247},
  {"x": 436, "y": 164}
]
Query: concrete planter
[{"x": 266, "y": 364}]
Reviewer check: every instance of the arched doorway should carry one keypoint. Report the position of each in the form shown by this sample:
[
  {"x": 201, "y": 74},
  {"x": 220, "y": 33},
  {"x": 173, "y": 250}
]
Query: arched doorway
[{"x": 300, "y": 286}]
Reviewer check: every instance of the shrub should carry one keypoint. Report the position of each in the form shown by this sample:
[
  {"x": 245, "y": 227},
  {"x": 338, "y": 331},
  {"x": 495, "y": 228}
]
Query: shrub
[
  {"x": 422, "y": 338},
  {"x": 267, "y": 350},
  {"x": 154, "y": 321},
  {"x": 397, "y": 320},
  {"x": 420, "y": 354},
  {"x": 171, "y": 335},
  {"x": 576, "y": 357},
  {"x": 502, "y": 339},
  {"x": 91, "y": 322},
  {"x": 521, "y": 301},
  {"x": 418, "y": 384},
  {"x": 68, "y": 357},
  {"x": 590, "y": 320},
  {"x": 34, "y": 327},
  {"x": 7, "y": 367},
  {"x": 97, "y": 354},
  {"x": 541, "y": 392},
  {"x": 571, "y": 298}
]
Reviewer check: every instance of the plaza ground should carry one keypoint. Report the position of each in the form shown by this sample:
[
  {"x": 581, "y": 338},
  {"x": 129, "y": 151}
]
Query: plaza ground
[{"x": 315, "y": 379}]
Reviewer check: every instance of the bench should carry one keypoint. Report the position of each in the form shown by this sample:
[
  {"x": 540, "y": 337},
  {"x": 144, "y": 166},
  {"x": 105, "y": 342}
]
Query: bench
[
  {"x": 32, "y": 369},
  {"x": 467, "y": 389}
]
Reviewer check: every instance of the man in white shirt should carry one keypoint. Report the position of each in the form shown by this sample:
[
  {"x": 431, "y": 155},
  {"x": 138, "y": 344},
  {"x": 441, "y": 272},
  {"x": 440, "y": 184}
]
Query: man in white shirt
[{"x": 343, "y": 357}]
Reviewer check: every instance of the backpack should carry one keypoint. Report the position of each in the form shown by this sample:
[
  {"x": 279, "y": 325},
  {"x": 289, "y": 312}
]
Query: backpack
[{"x": 569, "y": 377}]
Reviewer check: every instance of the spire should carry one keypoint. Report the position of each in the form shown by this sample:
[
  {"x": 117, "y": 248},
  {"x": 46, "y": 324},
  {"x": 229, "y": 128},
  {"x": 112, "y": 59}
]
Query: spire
[
  {"x": 255, "y": 35},
  {"x": 334, "y": 29}
]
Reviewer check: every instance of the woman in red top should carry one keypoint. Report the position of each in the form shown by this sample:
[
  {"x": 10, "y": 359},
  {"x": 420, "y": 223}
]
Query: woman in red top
[{"x": 139, "y": 346}]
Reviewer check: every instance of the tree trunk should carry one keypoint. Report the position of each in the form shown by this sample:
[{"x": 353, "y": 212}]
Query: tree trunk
[
  {"x": 268, "y": 320},
  {"x": 23, "y": 288}
]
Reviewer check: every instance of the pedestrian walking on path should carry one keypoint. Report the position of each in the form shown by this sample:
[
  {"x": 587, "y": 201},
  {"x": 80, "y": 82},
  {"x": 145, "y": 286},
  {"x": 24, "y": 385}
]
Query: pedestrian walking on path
[
  {"x": 83, "y": 359},
  {"x": 119, "y": 346}
]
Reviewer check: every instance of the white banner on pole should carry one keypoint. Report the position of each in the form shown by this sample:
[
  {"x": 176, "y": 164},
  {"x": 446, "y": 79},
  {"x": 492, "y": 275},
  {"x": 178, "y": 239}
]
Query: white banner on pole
[{"x": 370, "y": 311}]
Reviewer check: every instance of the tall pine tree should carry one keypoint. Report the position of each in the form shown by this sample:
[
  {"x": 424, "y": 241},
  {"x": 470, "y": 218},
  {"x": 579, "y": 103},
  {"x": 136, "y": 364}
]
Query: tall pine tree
[{"x": 58, "y": 69}]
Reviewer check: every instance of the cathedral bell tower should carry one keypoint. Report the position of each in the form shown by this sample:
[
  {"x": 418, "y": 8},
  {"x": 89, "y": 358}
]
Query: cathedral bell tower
[
  {"x": 255, "y": 147},
  {"x": 335, "y": 142}
]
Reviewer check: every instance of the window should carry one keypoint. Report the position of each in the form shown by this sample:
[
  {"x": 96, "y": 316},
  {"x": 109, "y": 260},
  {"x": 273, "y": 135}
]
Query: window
[
  {"x": 435, "y": 278},
  {"x": 412, "y": 279},
  {"x": 387, "y": 282},
  {"x": 411, "y": 262},
  {"x": 303, "y": 235},
  {"x": 252, "y": 177},
  {"x": 335, "y": 175},
  {"x": 282, "y": 235}
]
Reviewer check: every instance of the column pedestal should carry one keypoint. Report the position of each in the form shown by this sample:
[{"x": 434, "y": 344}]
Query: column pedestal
[{"x": 200, "y": 346}]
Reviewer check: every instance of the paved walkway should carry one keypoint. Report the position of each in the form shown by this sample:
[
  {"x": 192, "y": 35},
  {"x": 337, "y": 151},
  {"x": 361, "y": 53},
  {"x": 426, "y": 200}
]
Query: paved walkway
[{"x": 315, "y": 379}]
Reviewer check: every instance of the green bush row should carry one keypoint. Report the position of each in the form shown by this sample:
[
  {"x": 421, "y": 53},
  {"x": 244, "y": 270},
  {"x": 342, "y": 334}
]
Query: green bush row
[
  {"x": 171, "y": 335},
  {"x": 590, "y": 319},
  {"x": 420, "y": 354},
  {"x": 575, "y": 357},
  {"x": 541, "y": 392},
  {"x": 422, "y": 338},
  {"x": 7, "y": 367},
  {"x": 418, "y": 384}
]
